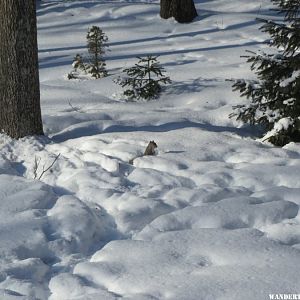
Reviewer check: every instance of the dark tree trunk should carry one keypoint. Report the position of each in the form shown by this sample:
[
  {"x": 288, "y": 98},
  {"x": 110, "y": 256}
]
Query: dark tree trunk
[
  {"x": 183, "y": 11},
  {"x": 20, "y": 113}
]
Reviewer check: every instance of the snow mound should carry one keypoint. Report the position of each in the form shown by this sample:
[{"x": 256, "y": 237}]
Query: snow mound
[
  {"x": 24, "y": 251},
  {"x": 79, "y": 228},
  {"x": 40, "y": 232},
  {"x": 232, "y": 213},
  {"x": 69, "y": 286},
  {"x": 194, "y": 264}
]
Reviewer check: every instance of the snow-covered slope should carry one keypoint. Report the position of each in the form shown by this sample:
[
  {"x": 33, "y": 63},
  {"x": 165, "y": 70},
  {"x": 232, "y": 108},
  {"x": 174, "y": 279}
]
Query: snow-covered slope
[{"x": 214, "y": 215}]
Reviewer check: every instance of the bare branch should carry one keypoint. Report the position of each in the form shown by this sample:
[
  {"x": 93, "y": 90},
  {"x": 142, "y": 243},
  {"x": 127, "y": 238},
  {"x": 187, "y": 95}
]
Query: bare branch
[
  {"x": 48, "y": 168},
  {"x": 74, "y": 108},
  {"x": 37, "y": 161}
]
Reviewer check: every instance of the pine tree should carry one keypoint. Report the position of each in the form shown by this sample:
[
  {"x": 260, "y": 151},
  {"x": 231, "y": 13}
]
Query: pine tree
[
  {"x": 78, "y": 63},
  {"x": 95, "y": 63},
  {"x": 144, "y": 79},
  {"x": 97, "y": 42},
  {"x": 275, "y": 95},
  {"x": 78, "y": 66}
]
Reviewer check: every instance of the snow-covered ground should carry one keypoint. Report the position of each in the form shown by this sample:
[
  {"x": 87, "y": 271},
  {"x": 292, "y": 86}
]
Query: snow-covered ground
[{"x": 214, "y": 215}]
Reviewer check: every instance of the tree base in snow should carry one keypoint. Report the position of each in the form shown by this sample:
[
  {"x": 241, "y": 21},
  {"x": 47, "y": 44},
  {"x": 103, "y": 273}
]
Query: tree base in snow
[{"x": 183, "y": 11}]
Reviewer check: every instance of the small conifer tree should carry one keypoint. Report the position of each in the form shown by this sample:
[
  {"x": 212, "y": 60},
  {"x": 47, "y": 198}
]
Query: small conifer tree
[
  {"x": 275, "y": 95},
  {"x": 78, "y": 63},
  {"x": 144, "y": 79},
  {"x": 95, "y": 64},
  {"x": 78, "y": 66},
  {"x": 97, "y": 42}
]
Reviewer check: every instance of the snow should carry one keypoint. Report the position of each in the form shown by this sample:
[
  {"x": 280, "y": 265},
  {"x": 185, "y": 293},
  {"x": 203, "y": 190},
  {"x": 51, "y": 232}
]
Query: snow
[
  {"x": 280, "y": 125},
  {"x": 190, "y": 264},
  {"x": 291, "y": 79},
  {"x": 213, "y": 215}
]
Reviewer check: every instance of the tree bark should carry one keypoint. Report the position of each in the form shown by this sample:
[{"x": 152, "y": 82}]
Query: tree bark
[
  {"x": 183, "y": 11},
  {"x": 20, "y": 113}
]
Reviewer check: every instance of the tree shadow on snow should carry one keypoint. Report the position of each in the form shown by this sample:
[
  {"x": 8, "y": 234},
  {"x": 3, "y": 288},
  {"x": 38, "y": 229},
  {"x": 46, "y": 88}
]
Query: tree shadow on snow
[
  {"x": 63, "y": 60},
  {"x": 44, "y": 7},
  {"x": 183, "y": 51},
  {"x": 72, "y": 48},
  {"x": 184, "y": 34},
  {"x": 54, "y": 61},
  {"x": 191, "y": 86},
  {"x": 95, "y": 129}
]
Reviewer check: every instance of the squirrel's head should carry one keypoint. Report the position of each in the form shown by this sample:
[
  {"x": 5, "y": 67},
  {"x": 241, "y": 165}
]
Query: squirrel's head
[{"x": 153, "y": 144}]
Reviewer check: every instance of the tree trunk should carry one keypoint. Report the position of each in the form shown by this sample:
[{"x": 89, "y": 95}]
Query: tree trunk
[
  {"x": 183, "y": 11},
  {"x": 20, "y": 113}
]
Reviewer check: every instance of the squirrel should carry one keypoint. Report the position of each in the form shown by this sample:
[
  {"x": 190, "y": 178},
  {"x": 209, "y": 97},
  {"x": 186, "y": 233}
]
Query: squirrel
[{"x": 150, "y": 150}]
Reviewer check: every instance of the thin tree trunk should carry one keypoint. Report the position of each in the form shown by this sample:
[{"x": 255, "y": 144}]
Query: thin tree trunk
[
  {"x": 20, "y": 113},
  {"x": 183, "y": 11}
]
